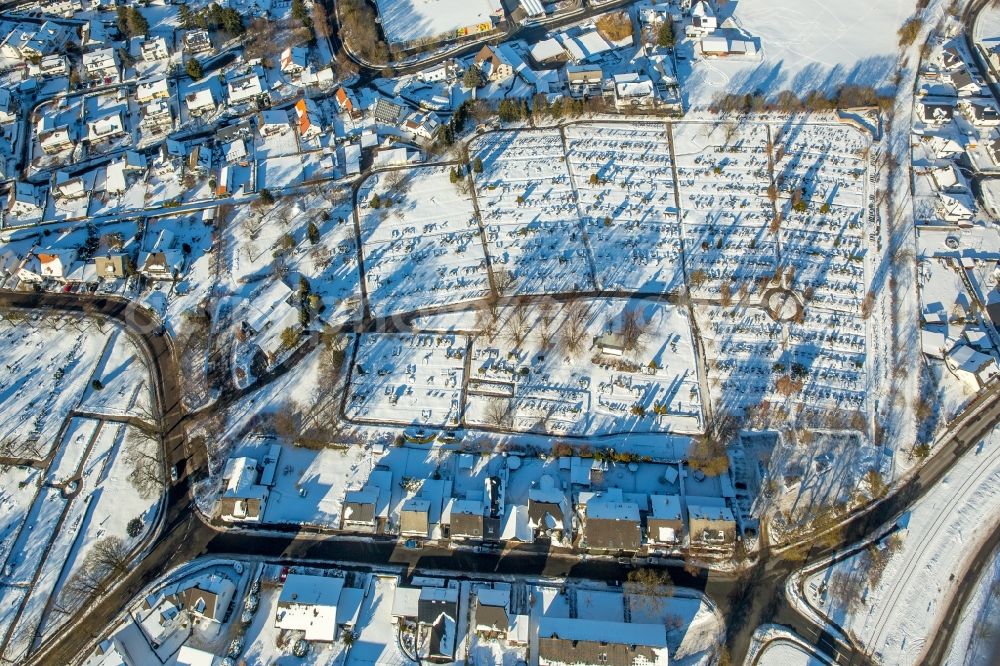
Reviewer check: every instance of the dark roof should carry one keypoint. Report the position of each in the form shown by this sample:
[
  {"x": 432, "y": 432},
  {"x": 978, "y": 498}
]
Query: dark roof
[
  {"x": 492, "y": 616},
  {"x": 429, "y": 610},
  {"x": 467, "y": 524},
  {"x": 360, "y": 512},
  {"x": 566, "y": 651},
  {"x": 538, "y": 510},
  {"x": 611, "y": 534}
]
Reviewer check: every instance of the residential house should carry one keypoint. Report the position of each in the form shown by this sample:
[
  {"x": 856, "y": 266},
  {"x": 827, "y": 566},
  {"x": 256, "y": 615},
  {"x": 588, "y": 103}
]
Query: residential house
[
  {"x": 201, "y": 102},
  {"x": 18, "y": 36},
  {"x": 703, "y": 19},
  {"x": 980, "y": 114},
  {"x": 492, "y": 612},
  {"x": 437, "y": 613},
  {"x": 244, "y": 499},
  {"x": 584, "y": 81},
  {"x": 107, "y": 128},
  {"x": 611, "y": 525},
  {"x": 309, "y": 119},
  {"x": 113, "y": 266},
  {"x": 572, "y": 641},
  {"x": 444, "y": 71},
  {"x": 964, "y": 84},
  {"x": 548, "y": 509},
  {"x": 148, "y": 91},
  {"x": 665, "y": 522},
  {"x": 367, "y": 509},
  {"x": 937, "y": 112},
  {"x": 206, "y": 597},
  {"x": 956, "y": 207},
  {"x": 157, "y": 116},
  {"x": 309, "y": 604},
  {"x": 25, "y": 201},
  {"x": 55, "y": 140},
  {"x": 414, "y": 518},
  {"x": 197, "y": 43},
  {"x": 54, "y": 263},
  {"x": 268, "y": 314},
  {"x": 102, "y": 65},
  {"x": 971, "y": 367},
  {"x": 154, "y": 49},
  {"x": 163, "y": 261},
  {"x": 8, "y": 106},
  {"x": 272, "y": 122},
  {"x": 294, "y": 60},
  {"x": 49, "y": 38},
  {"x": 710, "y": 521},
  {"x": 465, "y": 519},
  {"x": 64, "y": 187},
  {"x": 634, "y": 91},
  {"x": 346, "y": 103},
  {"x": 50, "y": 66},
  {"x": 245, "y": 88},
  {"x": 387, "y": 112},
  {"x": 164, "y": 163},
  {"x": 492, "y": 65}
]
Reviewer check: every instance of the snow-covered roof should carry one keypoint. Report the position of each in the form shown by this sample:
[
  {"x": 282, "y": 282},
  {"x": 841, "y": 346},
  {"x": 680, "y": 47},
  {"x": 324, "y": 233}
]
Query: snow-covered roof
[
  {"x": 309, "y": 604},
  {"x": 622, "y": 633},
  {"x": 546, "y": 50},
  {"x": 603, "y": 510},
  {"x": 666, "y": 507}
]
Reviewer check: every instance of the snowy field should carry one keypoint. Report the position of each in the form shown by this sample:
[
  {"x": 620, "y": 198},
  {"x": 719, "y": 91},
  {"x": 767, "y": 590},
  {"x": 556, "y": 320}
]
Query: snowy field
[
  {"x": 530, "y": 212},
  {"x": 892, "y": 594},
  {"x": 977, "y": 638},
  {"x": 87, "y": 464},
  {"x": 49, "y": 365},
  {"x": 422, "y": 244},
  {"x": 806, "y": 45},
  {"x": 408, "y": 20},
  {"x": 407, "y": 379},
  {"x": 528, "y": 372}
]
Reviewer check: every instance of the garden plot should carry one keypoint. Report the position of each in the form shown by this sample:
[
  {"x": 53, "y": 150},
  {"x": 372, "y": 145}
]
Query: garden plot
[
  {"x": 18, "y": 486},
  {"x": 407, "y": 379},
  {"x": 422, "y": 244},
  {"x": 723, "y": 179},
  {"x": 528, "y": 372},
  {"x": 820, "y": 177},
  {"x": 812, "y": 368},
  {"x": 123, "y": 379},
  {"x": 530, "y": 214},
  {"x": 625, "y": 183},
  {"x": 48, "y": 363}
]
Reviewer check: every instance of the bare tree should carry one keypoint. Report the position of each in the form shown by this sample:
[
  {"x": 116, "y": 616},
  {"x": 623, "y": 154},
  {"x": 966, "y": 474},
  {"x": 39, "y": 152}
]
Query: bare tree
[
  {"x": 518, "y": 324},
  {"x": 503, "y": 280},
  {"x": 147, "y": 468},
  {"x": 498, "y": 412},
  {"x": 633, "y": 330},
  {"x": 574, "y": 329}
]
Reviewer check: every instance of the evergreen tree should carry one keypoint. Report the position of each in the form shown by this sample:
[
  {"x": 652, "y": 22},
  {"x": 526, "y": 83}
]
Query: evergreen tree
[
  {"x": 194, "y": 69},
  {"x": 312, "y": 232}
]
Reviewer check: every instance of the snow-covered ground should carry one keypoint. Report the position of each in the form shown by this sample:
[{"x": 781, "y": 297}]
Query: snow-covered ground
[
  {"x": 977, "y": 638},
  {"x": 891, "y": 596},
  {"x": 87, "y": 464},
  {"x": 806, "y": 45}
]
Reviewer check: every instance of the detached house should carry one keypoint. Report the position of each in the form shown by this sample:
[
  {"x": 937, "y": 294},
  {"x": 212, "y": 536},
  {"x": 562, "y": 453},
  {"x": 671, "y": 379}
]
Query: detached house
[
  {"x": 25, "y": 201},
  {"x": 102, "y": 64},
  {"x": 611, "y": 525},
  {"x": 494, "y": 67},
  {"x": 245, "y": 88},
  {"x": 148, "y": 91},
  {"x": 107, "y": 128},
  {"x": 200, "y": 102},
  {"x": 710, "y": 521},
  {"x": 197, "y": 43},
  {"x": 243, "y": 499},
  {"x": 309, "y": 119},
  {"x": 584, "y": 81},
  {"x": 162, "y": 262},
  {"x": 154, "y": 49},
  {"x": 294, "y": 60},
  {"x": 55, "y": 140}
]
